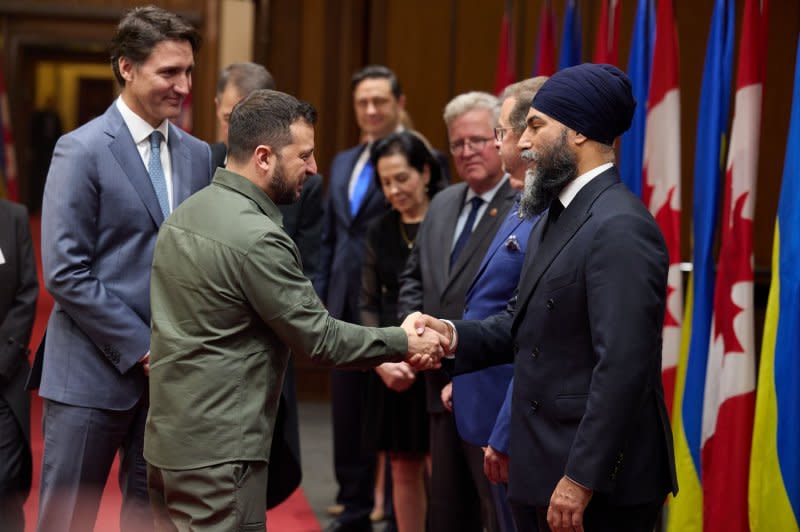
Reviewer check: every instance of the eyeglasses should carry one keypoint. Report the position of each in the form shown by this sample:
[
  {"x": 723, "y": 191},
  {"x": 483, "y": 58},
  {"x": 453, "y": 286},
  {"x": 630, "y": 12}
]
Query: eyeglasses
[
  {"x": 476, "y": 144},
  {"x": 500, "y": 132}
]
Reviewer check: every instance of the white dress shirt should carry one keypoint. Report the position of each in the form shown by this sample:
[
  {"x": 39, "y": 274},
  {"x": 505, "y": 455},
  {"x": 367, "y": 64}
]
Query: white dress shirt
[{"x": 140, "y": 131}]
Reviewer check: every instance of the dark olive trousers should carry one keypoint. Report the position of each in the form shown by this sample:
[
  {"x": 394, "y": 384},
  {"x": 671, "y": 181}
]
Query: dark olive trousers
[{"x": 223, "y": 497}]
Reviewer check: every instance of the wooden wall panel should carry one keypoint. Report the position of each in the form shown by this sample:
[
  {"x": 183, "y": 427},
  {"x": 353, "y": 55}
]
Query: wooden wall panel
[
  {"x": 416, "y": 44},
  {"x": 38, "y": 29}
]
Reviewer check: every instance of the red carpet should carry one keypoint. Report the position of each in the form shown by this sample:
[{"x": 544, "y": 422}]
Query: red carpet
[{"x": 294, "y": 515}]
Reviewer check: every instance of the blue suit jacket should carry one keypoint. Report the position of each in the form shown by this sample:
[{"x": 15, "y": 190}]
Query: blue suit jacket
[
  {"x": 100, "y": 218},
  {"x": 478, "y": 396}
]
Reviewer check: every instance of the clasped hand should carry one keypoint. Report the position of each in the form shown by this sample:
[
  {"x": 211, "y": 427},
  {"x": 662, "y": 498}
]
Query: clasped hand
[{"x": 426, "y": 344}]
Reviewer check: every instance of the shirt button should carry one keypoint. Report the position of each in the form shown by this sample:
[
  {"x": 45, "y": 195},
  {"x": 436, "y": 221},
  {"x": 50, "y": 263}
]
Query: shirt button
[
  {"x": 534, "y": 406},
  {"x": 535, "y": 352},
  {"x": 550, "y": 304}
]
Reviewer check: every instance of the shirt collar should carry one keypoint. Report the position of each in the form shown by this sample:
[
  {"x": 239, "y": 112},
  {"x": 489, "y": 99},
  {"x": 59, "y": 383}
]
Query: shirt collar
[
  {"x": 487, "y": 196},
  {"x": 138, "y": 126},
  {"x": 244, "y": 186},
  {"x": 569, "y": 192}
]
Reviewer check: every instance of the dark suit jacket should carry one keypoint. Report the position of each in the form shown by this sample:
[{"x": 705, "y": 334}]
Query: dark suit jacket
[
  {"x": 338, "y": 281},
  {"x": 586, "y": 333},
  {"x": 302, "y": 221},
  {"x": 428, "y": 284},
  {"x": 18, "y": 292}
]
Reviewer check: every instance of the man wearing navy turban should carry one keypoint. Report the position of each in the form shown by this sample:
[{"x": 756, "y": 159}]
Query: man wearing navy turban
[{"x": 591, "y": 444}]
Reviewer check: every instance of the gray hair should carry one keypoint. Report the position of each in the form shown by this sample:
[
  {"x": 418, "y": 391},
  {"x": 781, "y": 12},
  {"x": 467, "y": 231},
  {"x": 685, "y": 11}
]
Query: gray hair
[
  {"x": 470, "y": 101},
  {"x": 522, "y": 92},
  {"x": 245, "y": 78}
]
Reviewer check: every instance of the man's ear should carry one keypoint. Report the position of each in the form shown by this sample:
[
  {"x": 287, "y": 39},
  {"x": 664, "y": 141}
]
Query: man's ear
[
  {"x": 401, "y": 101},
  {"x": 264, "y": 157},
  {"x": 125, "y": 68},
  {"x": 579, "y": 138}
]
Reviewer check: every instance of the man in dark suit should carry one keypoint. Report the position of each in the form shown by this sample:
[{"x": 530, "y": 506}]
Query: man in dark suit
[
  {"x": 18, "y": 292},
  {"x": 458, "y": 228},
  {"x": 591, "y": 445},
  {"x": 111, "y": 184},
  {"x": 353, "y": 201},
  {"x": 302, "y": 221}
]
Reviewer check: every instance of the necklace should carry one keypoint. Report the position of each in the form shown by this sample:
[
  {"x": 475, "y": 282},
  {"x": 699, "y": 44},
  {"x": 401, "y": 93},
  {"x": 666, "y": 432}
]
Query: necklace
[{"x": 409, "y": 241}]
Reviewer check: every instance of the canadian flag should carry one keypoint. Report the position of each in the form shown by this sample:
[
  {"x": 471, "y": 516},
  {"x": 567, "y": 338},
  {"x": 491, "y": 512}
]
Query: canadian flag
[
  {"x": 661, "y": 190},
  {"x": 607, "y": 41},
  {"x": 729, "y": 398}
]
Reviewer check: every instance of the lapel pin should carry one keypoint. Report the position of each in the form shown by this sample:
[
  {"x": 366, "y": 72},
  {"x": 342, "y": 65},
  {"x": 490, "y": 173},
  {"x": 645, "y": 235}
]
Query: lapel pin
[{"x": 493, "y": 211}]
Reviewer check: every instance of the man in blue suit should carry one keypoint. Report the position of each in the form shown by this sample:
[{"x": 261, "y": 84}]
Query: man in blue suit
[
  {"x": 477, "y": 397},
  {"x": 353, "y": 201},
  {"x": 111, "y": 184}
]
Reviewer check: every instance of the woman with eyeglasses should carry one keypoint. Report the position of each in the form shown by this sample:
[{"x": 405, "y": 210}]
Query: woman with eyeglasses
[{"x": 397, "y": 419}]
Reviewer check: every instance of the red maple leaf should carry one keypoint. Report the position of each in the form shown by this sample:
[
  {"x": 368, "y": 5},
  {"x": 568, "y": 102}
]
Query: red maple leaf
[
  {"x": 735, "y": 266},
  {"x": 669, "y": 221}
]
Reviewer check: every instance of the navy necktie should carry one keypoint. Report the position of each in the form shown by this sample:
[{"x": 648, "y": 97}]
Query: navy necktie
[
  {"x": 463, "y": 236},
  {"x": 156, "y": 172},
  {"x": 553, "y": 212},
  {"x": 360, "y": 188}
]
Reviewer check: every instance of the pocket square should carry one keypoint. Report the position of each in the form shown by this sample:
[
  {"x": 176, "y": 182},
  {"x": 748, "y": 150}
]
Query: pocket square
[{"x": 512, "y": 244}]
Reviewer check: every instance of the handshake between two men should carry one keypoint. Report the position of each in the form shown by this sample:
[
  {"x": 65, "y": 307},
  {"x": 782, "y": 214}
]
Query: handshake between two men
[{"x": 429, "y": 339}]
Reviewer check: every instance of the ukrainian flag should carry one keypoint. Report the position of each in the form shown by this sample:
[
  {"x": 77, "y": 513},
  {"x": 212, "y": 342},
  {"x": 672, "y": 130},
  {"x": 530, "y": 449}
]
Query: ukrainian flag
[
  {"x": 686, "y": 510},
  {"x": 640, "y": 61},
  {"x": 774, "y": 493}
]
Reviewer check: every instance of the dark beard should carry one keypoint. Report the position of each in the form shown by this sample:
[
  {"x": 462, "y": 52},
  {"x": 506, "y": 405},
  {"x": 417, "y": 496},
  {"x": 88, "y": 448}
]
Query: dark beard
[
  {"x": 555, "y": 167},
  {"x": 280, "y": 191}
]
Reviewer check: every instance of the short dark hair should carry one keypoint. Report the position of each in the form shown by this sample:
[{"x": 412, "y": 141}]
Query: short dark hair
[
  {"x": 377, "y": 72},
  {"x": 264, "y": 117},
  {"x": 245, "y": 77},
  {"x": 411, "y": 146},
  {"x": 141, "y": 29}
]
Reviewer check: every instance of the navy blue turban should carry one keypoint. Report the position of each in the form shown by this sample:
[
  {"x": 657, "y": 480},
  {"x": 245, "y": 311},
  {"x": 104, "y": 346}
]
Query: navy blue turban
[{"x": 594, "y": 100}]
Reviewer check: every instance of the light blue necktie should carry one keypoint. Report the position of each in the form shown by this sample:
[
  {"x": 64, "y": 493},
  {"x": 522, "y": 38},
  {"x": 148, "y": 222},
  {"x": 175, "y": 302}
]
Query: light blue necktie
[
  {"x": 156, "y": 172},
  {"x": 360, "y": 188}
]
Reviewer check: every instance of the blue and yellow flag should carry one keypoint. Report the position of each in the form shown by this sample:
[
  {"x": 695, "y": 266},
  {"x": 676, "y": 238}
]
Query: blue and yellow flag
[
  {"x": 640, "y": 61},
  {"x": 570, "y": 52},
  {"x": 774, "y": 492},
  {"x": 686, "y": 511}
]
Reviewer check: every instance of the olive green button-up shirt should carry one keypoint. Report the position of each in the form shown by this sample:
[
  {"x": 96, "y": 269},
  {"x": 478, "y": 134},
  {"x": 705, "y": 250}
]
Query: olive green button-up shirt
[{"x": 229, "y": 300}]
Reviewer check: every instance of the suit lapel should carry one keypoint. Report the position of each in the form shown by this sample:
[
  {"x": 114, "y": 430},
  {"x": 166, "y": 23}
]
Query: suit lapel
[
  {"x": 181, "y": 167},
  {"x": 506, "y": 230},
  {"x": 489, "y": 223},
  {"x": 541, "y": 253},
  {"x": 495, "y": 214},
  {"x": 445, "y": 238},
  {"x": 127, "y": 155}
]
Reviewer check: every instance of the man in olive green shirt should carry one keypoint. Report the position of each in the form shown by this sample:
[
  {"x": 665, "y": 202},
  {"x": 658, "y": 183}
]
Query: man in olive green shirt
[{"x": 229, "y": 301}]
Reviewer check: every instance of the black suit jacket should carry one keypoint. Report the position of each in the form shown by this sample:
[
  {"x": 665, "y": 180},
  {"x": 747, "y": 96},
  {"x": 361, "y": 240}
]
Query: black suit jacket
[
  {"x": 19, "y": 290},
  {"x": 585, "y": 331},
  {"x": 428, "y": 284},
  {"x": 302, "y": 220}
]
